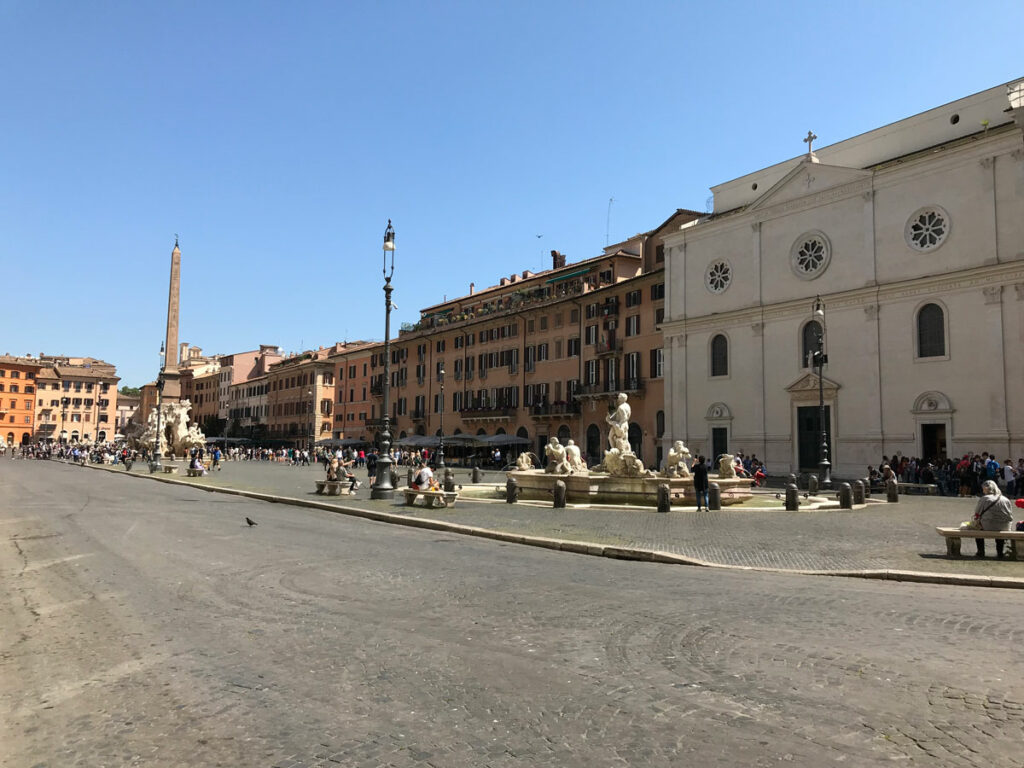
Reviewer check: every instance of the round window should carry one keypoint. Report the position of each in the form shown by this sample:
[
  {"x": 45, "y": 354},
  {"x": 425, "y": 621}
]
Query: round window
[
  {"x": 927, "y": 229},
  {"x": 810, "y": 255},
  {"x": 718, "y": 276}
]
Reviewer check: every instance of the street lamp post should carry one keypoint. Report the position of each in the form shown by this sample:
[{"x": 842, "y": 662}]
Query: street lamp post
[
  {"x": 440, "y": 442},
  {"x": 64, "y": 402},
  {"x": 154, "y": 464},
  {"x": 382, "y": 487},
  {"x": 312, "y": 423},
  {"x": 820, "y": 358}
]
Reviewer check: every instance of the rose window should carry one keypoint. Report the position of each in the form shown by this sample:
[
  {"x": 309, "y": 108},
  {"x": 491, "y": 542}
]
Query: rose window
[
  {"x": 810, "y": 255},
  {"x": 718, "y": 277},
  {"x": 927, "y": 229}
]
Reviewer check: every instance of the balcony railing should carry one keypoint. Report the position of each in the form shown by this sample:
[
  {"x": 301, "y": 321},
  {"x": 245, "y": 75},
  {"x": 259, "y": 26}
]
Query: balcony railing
[
  {"x": 418, "y": 414},
  {"x": 377, "y": 390},
  {"x": 555, "y": 409},
  {"x": 607, "y": 346},
  {"x": 487, "y": 412},
  {"x": 629, "y": 384}
]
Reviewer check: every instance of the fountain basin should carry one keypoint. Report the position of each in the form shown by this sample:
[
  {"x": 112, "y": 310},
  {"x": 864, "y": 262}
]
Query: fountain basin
[{"x": 601, "y": 488}]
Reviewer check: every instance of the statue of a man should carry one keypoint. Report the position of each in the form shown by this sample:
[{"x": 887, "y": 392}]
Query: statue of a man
[
  {"x": 557, "y": 465},
  {"x": 618, "y": 423},
  {"x": 675, "y": 464},
  {"x": 575, "y": 459}
]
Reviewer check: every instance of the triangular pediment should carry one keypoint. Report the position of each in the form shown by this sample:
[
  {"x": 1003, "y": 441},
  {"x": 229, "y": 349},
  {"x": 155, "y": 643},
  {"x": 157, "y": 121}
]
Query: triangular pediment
[
  {"x": 809, "y": 383},
  {"x": 808, "y": 179}
]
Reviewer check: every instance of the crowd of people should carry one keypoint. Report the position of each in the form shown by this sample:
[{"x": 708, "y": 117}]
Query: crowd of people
[{"x": 962, "y": 476}]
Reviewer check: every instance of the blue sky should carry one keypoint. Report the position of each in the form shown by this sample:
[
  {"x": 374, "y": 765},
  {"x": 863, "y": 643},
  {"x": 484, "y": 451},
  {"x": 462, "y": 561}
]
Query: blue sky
[{"x": 278, "y": 138}]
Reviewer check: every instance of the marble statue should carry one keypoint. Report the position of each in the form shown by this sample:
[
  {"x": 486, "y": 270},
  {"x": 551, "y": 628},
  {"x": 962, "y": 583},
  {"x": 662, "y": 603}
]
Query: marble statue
[
  {"x": 177, "y": 437},
  {"x": 619, "y": 459},
  {"x": 524, "y": 462},
  {"x": 575, "y": 458},
  {"x": 675, "y": 464},
  {"x": 726, "y": 468},
  {"x": 557, "y": 463}
]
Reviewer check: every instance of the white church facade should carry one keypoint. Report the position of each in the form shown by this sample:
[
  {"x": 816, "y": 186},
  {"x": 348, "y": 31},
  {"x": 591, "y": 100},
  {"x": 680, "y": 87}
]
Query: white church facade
[{"x": 912, "y": 235}]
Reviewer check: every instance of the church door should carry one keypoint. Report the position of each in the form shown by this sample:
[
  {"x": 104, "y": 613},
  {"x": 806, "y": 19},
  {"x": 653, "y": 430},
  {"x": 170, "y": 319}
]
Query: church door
[{"x": 809, "y": 436}]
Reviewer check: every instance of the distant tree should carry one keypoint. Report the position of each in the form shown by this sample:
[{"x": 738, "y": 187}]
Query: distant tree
[
  {"x": 130, "y": 391},
  {"x": 213, "y": 427}
]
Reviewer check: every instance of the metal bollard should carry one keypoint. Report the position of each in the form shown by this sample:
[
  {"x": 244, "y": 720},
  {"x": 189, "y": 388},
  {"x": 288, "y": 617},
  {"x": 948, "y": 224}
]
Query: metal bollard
[
  {"x": 476, "y": 474},
  {"x": 792, "y": 480},
  {"x": 449, "y": 479},
  {"x": 408, "y": 477},
  {"x": 394, "y": 476},
  {"x": 664, "y": 500},
  {"x": 559, "y": 494},
  {"x": 812, "y": 484},
  {"x": 845, "y": 496},
  {"x": 858, "y": 491},
  {"x": 511, "y": 490},
  {"x": 792, "y": 498},
  {"x": 714, "y": 497},
  {"x": 867, "y": 487},
  {"x": 892, "y": 492}
]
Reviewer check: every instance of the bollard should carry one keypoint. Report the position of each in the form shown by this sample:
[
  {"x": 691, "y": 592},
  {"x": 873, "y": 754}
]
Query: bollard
[
  {"x": 714, "y": 497},
  {"x": 812, "y": 484},
  {"x": 792, "y": 480},
  {"x": 845, "y": 496},
  {"x": 858, "y": 491},
  {"x": 792, "y": 498},
  {"x": 867, "y": 487},
  {"x": 664, "y": 500},
  {"x": 476, "y": 474},
  {"x": 892, "y": 492},
  {"x": 511, "y": 490},
  {"x": 408, "y": 477},
  {"x": 449, "y": 479},
  {"x": 394, "y": 476},
  {"x": 559, "y": 493}
]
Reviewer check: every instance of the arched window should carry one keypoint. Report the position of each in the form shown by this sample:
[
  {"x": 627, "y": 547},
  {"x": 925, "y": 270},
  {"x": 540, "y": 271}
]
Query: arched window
[
  {"x": 564, "y": 434},
  {"x": 719, "y": 356},
  {"x": 931, "y": 331},
  {"x": 659, "y": 423},
  {"x": 636, "y": 439},
  {"x": 811, "y": 334}
]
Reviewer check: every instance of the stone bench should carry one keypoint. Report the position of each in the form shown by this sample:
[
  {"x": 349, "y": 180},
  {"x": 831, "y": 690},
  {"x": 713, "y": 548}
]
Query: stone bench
[
  {"x": 929, "y": 488},
  {"x": 194, "y": 472},
  {"x": 431, "y": 499},
  {"x": 333, "y": 487},
  {"x": 953, "y": 537},
  {"x": 170, "y": 470}
]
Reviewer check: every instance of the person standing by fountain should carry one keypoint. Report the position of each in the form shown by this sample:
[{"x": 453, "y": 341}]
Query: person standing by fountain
[{"x": 700, "y": 481}]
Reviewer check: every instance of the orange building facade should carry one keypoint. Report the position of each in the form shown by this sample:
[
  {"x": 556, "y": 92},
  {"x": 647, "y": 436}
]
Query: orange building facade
[{"x": 18, "y": 387}]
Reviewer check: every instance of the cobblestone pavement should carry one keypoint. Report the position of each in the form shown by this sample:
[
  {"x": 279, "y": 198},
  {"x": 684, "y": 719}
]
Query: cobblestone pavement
[
  {"x": 879, "y": 536},
  {"x": 145, "y": 624}
]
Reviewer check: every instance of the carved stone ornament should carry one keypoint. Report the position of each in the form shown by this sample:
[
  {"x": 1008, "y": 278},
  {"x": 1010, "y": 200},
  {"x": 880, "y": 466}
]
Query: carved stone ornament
[
  {"x": 993, "y": 294},
  {"x": 870, "y": 311},
  {"x": 757, "y": 329},
  {"x": 986, "y": 162},
  {"x": 1019, "y": 288}
]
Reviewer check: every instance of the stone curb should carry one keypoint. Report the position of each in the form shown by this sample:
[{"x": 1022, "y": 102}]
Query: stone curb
[{"x": 585, "y": 547}]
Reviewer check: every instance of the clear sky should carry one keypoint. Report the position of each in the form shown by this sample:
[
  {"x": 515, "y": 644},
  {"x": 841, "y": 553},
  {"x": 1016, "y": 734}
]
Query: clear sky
[{"x": 277, "y": 139}]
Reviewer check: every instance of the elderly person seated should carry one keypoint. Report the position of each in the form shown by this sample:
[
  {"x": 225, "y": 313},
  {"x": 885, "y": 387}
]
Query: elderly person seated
[{"x": 995, "y": 513}]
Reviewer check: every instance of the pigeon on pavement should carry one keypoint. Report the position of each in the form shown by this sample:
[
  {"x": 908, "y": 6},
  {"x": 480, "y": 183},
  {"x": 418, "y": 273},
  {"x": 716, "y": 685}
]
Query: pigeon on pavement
[{"x": 251, "y": 522}]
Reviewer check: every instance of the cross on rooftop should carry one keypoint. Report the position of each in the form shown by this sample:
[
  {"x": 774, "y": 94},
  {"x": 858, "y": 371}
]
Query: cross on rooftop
[{"x": 810, "y": 138}]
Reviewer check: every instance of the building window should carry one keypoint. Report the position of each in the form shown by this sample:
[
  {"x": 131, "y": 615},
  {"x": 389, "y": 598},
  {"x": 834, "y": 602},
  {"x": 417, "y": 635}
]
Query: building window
[
  {"x": 633, "y": 325},
  {"x": 544, "y": 322},
  {"x": 931, "y": 331},
  {"x": 633, "y": 299},
  {"x": 927, "y": 229},
  {"x": 809, "y": 342},
  {"x": 657, "y": 363},
  {"x": 574, "y": 347},
  {"x": 719, "y": 355},
  {"x": 659, "y": 253},
  {"x": 591, "y": 332},
  {"x": 574, "y": 315},
  {"x": 718, "y": 277},
  {"x": 810, "y": 255},
  {"x": 657, "y": 291}
]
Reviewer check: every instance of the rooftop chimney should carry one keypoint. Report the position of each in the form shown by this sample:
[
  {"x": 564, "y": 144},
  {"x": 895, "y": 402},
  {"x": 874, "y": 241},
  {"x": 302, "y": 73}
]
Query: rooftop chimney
[
  {"x": 472, "y": 288},
  {"x": 557, "y": 260}
]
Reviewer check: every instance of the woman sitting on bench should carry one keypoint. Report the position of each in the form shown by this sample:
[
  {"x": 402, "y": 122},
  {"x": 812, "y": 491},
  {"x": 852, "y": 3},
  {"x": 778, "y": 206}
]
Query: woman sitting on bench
[
  {"x": 995, "y": 513},
  {"x": 423, "y": 480}
]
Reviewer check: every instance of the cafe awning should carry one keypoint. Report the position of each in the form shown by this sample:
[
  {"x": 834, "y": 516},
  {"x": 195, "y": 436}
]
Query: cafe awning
[{"x": 567, "y": 275}]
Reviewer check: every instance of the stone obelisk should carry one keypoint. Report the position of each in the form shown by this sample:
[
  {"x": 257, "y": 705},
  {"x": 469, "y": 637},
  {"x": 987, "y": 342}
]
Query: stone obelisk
[{"x": 170, "y": 374}]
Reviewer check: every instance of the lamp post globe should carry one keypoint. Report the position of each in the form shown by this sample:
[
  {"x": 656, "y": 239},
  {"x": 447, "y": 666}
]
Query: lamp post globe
[{"x": 382, "y": 487}]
